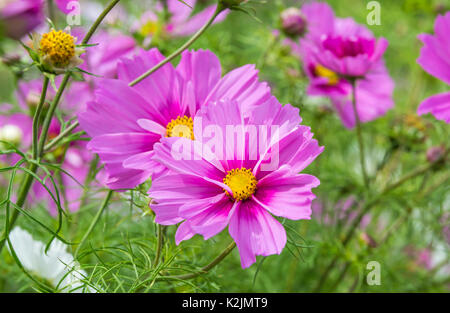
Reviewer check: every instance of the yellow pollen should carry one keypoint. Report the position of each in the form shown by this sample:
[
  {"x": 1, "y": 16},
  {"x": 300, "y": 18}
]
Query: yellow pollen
[
  {"x": 59, "y": 46},
  {"x": 150, "y": 28},
  {"x": 242, "y": 183},
  {"x": 182, "y": 127},
  {"x": 333, "y": 78}
]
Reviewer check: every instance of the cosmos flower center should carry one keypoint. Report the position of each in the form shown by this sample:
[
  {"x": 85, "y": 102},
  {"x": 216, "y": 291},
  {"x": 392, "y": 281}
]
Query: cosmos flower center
[
  {"x": 59, "y": 46},
  {"x": 182, "y": 127},
  {"x": 150, "y": 28},
  {"x": 242, "y": 183},
  {"x": 333, "y": 78}
]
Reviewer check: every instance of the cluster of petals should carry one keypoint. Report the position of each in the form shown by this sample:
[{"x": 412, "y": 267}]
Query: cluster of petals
[
  {"x": 125, "y": 122},
  {"x": 196, "y": 192}
]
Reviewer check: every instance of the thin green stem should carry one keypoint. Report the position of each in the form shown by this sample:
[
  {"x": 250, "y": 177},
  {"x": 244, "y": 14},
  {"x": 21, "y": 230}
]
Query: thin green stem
[
  {"x": 37, "y": 117},
  {"x": 204, "y": 269},
  {"x": 197, "y": 35},
  {"x": 50, "y": 113},
  {"x": 159, "y": 244},
  {"x": 51, "y": 10},
  {"x": 28, "y": 179},
  {"x": 359, "y": 135},
  {"x": 99, "y": 20},
  {"x": 94, "y": 221},
  {"x": 22, "y": 195},
  {"x": 369, "y": 204},
  {"x": 61, "y": 136}
]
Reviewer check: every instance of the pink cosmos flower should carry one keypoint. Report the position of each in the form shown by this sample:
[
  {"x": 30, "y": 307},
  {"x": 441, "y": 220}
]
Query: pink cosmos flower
[
  {"x": 19, "y": 17},
  {"x": 349, "y": 49},
  {"x": 240, "y": 183},
  {"x": 126, "y": 122},
  {"x": 181, "y": 22},
  {"x": 344, "y": 51},
  {"x": 434, "y": 59}
]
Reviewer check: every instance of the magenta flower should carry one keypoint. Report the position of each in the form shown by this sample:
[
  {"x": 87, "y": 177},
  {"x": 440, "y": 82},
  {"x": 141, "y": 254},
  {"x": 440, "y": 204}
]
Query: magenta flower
[
  {"x": 19, "y": 17},
  {"x": 434, "y": 59},
  {"x": 240, "y": 183},
  {"x": 125, "y": 122},
  {"x": 349, "y": 51}
]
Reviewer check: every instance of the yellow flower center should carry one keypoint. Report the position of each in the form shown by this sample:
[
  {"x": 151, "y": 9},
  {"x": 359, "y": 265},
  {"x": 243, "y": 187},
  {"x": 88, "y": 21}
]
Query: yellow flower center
[
  {"x": 150, "y": 28},
  {"x": 333, "y": 78},
  {"x": 59, "y": 46},
  {"x": 242, "y": 183},
  {"x": 182, "y": 127}
]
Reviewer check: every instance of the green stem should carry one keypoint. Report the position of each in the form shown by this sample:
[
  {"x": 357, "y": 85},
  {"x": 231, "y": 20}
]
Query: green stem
[
  {"x": 94, "y": 222},
  {"x": 365, "y": 210},
  {"x": 51, "y": 10},
  {"x": 99, "y": 20},
  {"x": 197, "y": 35},
  {"x": 61, "y": 136},
  {"x": 159, "y": 244},
  {"x": 23, "y": 192},
  {"x": 204, "y": 269},
  {"x": 28, "y": 179},
  {"x": 359, "y": 135},
  {"x": 50, "y": 113},
  {"x": 37, "y": 117}
]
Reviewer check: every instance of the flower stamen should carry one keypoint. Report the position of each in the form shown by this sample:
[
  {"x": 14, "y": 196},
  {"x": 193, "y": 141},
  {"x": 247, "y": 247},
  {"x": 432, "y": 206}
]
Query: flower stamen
[
  {"x": 242, "y": 183},
  {"x": 182, "y": 127},
  {"x": 58, "y": 46},
  {"x": 333, "y": 78}
]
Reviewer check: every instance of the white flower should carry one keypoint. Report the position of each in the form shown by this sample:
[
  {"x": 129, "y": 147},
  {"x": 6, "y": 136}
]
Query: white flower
[
  {"x": 11, "y": 133},
  {"x": 57, "y": 266}
]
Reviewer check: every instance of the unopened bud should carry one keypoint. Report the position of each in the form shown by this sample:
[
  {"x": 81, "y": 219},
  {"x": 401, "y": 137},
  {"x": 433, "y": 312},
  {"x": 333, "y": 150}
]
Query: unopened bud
[
  {"x": 435, "y": 153},
  {"x": 293, "y": 22}
]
